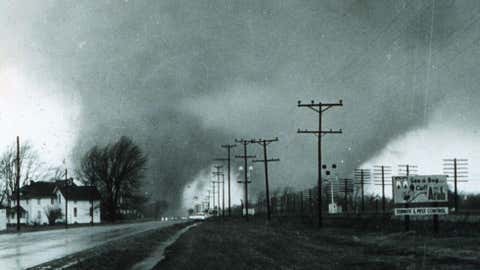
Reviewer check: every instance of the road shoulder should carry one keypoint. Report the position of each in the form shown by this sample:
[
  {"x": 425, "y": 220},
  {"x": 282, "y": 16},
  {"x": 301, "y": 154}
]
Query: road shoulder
[{"x": 118, "y": 254}]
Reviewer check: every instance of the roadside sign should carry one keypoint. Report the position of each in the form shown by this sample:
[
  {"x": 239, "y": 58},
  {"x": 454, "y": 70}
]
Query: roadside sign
[
  {"x": 420, "y": 189},
  {"x": 421, "y": 211}
]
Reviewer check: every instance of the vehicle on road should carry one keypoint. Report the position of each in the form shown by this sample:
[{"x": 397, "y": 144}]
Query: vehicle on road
[{"x": 198, "y": 216}]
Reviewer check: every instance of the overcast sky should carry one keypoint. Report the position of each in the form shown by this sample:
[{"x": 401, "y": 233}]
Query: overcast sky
[{"x": 183, "y": 77}]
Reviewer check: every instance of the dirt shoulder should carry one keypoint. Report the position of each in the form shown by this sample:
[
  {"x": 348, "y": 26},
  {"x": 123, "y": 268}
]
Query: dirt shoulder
[
  {"x": 117, "y": 254},
  {"x": 235, "y": 244}
]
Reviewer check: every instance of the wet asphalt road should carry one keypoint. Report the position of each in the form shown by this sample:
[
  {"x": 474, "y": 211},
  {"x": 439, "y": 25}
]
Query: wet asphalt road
[{"x": 23, "y": 250}]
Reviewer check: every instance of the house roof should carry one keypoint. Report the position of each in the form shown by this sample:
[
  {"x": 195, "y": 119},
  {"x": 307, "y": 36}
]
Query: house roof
[
  {"x": 80, "y": 193},
  {"x": 67, "y": 187},
  {"x": 37, "y": 190}
]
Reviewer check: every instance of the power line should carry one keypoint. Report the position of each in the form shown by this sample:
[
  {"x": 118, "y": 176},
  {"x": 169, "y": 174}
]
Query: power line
[{"x": 320, "y": 108}]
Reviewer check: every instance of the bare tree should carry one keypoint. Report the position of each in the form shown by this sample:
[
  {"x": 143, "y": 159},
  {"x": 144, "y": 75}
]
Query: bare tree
[
  {"x": 31, "y": 169},
  {"x": 116, "y": 170}
]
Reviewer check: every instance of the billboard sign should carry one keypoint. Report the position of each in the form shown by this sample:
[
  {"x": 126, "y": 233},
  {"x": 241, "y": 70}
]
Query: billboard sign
[{"x": 420, "y": 189}]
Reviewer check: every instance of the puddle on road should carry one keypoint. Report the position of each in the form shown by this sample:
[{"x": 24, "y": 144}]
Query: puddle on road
[{"x": 159, "y": 254}]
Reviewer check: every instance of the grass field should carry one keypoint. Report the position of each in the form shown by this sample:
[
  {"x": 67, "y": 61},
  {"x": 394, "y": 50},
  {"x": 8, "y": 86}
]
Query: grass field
[{"x": 236, "y": 244}]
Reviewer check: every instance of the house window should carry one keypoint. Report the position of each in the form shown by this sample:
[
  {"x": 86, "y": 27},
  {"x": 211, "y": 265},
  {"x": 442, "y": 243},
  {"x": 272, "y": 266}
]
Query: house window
[
  {"x": 75, "y": 212},
  {"x": 91, "y": 211},
  {"x": 38, "y": 201},
  {"x": 52, "y": 200}
]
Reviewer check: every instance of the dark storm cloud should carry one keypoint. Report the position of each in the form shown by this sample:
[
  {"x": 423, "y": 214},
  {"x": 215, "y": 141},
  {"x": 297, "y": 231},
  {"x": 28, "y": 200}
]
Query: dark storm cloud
[{"x": 183, "y": 77}]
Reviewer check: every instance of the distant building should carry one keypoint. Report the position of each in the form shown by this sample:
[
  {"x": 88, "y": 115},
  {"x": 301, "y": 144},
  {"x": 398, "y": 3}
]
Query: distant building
[{"x": 38, "y": 198}]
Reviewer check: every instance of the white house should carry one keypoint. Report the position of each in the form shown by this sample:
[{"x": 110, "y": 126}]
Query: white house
[
  {"x": 81, "y": 203},
  {"x": 38, "y": 198}
]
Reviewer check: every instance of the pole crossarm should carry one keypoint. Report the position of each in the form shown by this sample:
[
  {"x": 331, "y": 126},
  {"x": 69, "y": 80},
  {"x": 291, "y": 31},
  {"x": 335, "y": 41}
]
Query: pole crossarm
[
  {"x": 248, "y": 156},
  {"x": 268, "y": 160},
  {"x": 262, "y": 141},
  {"x": 316, "y": 132}
]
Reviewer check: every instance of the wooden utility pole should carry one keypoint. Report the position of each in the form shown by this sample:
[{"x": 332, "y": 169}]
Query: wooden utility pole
[
  {"x": 320, "y": 108},
  {"x": 407, "y": 169},
  {"x": 219, "y": 173},
  {"x": 17, "y": 183},
  {"x": 380, "y": 173},
  {"x": 245, "y": 181},
  {"x": 213, "y": 196},
  {"x": 208, "y": 199},
  {"x": 228, "y": 160},
  {"x": 362, "y": 176},
  {"x": 264, "y": 143},
  {"x": 66, "y": 199},
  {"x": 347, "y": 187},
  {"x": 456, "y": 168}
]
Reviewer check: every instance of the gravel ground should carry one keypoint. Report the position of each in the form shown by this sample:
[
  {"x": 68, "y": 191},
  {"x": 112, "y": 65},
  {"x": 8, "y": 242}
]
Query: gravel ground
[{"x": 235, "y": 244}]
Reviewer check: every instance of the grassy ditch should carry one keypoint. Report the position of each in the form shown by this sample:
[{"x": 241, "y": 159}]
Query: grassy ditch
[{"x": 236, "y": 244}]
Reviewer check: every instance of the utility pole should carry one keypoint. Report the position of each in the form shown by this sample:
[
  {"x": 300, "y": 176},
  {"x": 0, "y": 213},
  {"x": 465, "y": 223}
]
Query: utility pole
[
  {"x": 245, "y": 168},
  {"x": 407, "y": 170},
  {"x": 347, "y": 187},
  {"x": 213, "y": 196},
  {"x": 320, "y": 108},
  {"x": 219, "y": 173},
  {"x": 379, "y": 173},
  {"x": 264, "y": 143},
  {"x": 362, "y": 176},
  {"x": 66, "y": 199},
  {"x": 223, "y": 195},
  {"x": 228, "y": 159},
  {"x": 456, "y": 168},
  {"x": 208, "y": 199},
  {"x": 17, "y": 183}
]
